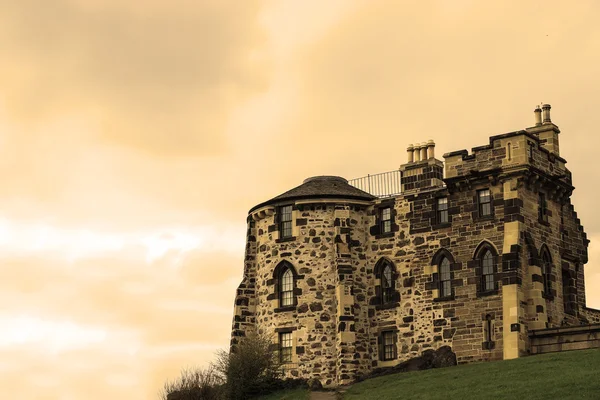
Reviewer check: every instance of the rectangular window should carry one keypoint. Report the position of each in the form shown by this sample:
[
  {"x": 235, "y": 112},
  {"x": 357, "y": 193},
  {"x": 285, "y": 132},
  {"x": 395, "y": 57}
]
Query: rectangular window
[
  {"x": 386, "y": 220},
  {"x": 542, "y": 207},
  {"x": 285, "y": 222},
  {"x": 285, "y": 347},
  {"x": 442, "y": 210},
  {"x": 485, "y": 202},
  {"x": 389, "y": 345}
]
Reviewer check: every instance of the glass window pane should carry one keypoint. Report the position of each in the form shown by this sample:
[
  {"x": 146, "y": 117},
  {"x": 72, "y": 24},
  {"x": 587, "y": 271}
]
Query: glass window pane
[
  {"x": 443, "y": 203},
  {"x": 386, "y": 214},
  {"x": 387, "y": 226}
]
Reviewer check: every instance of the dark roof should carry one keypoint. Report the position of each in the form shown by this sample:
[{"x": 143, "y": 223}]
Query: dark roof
[{"x": 324, "y": 186}]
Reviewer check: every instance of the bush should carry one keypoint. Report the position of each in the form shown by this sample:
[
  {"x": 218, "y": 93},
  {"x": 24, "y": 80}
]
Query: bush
[
  {"x": 250, "y": 369},
  {"x": 195, "y": 384}
]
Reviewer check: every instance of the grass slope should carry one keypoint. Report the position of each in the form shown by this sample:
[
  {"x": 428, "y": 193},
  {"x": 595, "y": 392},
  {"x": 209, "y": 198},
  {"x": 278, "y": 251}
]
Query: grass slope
[
  {"x": 292, "y": 394},
  {"x": 569, "y": 375}
]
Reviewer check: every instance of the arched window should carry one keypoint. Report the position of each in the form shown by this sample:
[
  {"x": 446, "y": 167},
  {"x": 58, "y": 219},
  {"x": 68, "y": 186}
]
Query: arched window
[
  {"x": 286, "y": 288},
  {"x": 546, "y": 271},
  {"x": 387, "y": 284},
  {"x": 485, "y": 257},
  {"x": 442, "y": 281},
  {"x": 445, "y": 278},
  {"x": 284, "y": 280},
  {"x": 487, "y": 273},
  {"x": 386, "y": 293}
]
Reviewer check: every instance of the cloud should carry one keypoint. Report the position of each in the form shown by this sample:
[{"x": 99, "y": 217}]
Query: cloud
[{"x": 161, "y": 80}]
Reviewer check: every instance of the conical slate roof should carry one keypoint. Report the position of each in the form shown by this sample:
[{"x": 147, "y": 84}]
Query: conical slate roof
[{"x": 324, "y": 186}]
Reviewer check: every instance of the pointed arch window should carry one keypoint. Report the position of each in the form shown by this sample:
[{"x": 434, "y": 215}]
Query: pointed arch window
[
  {"x": 285, "y": 282},
  {"x": 387, "y": 294},
  {"x": 445, "y": 278},
  {"x": 546, "y": 272},
  {"x": 486, "y": 266},
  {"x": 487, "y": 271}
]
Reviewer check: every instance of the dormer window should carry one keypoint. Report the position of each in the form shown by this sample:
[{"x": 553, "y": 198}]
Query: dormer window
[
  {"x": 386, "y": 220},
  {"x": 285, "y": 222}
]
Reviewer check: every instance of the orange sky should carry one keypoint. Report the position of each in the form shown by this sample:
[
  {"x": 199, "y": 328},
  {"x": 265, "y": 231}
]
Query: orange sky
[{"x": 135, "y": 136}]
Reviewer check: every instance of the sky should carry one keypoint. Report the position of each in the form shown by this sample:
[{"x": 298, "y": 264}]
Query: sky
[{"x": 135, "y": 136}]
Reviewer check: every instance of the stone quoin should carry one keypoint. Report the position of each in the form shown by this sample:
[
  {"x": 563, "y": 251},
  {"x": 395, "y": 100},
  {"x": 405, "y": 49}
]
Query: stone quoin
[{"x": 482, "y": 253}]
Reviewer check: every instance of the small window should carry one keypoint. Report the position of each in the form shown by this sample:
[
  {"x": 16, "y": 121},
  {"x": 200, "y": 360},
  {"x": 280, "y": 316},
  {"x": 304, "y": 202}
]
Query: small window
[
  {"x": 489, "y": 331},
  {"x": 542, "y": 208},
  {"x": 485, "y": 203},
  {"x": 442, "y": 210},
  {"x": 445, "y": 278},
  {"x": 508, "y": 151},
  {"x": 487, "y": 264},
  {"x": 386, "y": 220},
  {"x": 286, "y": 292},
  {"x": 389, "y": 345},
  {"x": 546, "y": 272},
  {"x": 285, "y": 347},
  {"x": 285, "y": 222}
]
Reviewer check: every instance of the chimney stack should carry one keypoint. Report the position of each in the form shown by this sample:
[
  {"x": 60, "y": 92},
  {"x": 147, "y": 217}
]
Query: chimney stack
[
  {"x": 546, "y": 113},
  {"x": 409, "y": 153},
  {"x": 538, "y": 116},
  {"x": 430, "y": 149}
]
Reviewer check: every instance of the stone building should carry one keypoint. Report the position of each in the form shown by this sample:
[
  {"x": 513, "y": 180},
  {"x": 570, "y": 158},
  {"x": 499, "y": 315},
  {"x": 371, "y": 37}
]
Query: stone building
[{"x": 482, "y": 252}]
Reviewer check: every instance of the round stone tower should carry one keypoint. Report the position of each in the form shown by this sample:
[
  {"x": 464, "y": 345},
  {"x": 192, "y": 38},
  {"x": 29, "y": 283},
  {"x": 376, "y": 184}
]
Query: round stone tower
[{"x": 303, "y": 248}]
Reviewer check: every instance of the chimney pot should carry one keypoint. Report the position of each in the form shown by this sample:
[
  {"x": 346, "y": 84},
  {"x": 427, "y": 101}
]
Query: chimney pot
[
  {"x": 409, "y": 153},
  {"x": 430, "y": 149},
  {"x": 546, "y": 113},
  {"x": 424, "y": 151},
  {"x": 538, "y": 116},
  {"x": 417, "y": 152}
]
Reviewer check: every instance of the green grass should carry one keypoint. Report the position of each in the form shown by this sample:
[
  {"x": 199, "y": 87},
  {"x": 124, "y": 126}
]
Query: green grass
[
  {"x": 569, "y": 375},
  {"x": 292, "y": 394}
]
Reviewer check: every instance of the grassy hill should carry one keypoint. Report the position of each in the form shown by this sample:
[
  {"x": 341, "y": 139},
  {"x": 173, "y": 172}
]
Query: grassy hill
[{"x": 569, "y": 375}]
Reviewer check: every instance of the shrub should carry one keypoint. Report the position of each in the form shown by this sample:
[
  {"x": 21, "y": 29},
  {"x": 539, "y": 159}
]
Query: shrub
[
  {"x": 250, "y": 369},
  {"x": 195, "y": 384}
]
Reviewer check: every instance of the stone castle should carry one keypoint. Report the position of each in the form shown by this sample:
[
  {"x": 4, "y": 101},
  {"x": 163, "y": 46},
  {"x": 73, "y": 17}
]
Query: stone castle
[{"x": 482, "y": 252}]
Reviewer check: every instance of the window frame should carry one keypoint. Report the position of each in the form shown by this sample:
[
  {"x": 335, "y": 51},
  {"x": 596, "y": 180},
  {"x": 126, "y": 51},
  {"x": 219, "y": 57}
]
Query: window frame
[
  {"x": 382, "y": 221},
  {"x": 388, "y": 350},
  {"x": 387, "y": 294},
  {"x": 286, "y": 338},
  {"x": 387, "y": 284},
  {"x": 285, "y": 225},
  {"x": 439, "y": 211},
  {"x": 491, "y": 273},
  {"x": 278, "y": 273},
  {"x": 286, "y": 288},
  {"x": 441, "y": 281},
  {"x": 480, "y": 204}
]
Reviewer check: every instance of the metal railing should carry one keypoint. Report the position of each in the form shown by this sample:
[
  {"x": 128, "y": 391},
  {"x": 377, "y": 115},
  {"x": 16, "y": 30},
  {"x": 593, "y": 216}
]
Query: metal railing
[{"x": 384, "y": 184}]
